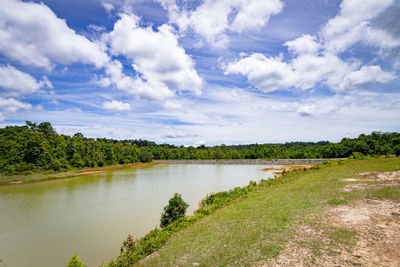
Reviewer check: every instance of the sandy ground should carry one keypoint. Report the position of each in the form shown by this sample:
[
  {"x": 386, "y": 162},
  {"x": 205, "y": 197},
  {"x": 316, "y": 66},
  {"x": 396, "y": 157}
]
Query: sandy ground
[
  {"x": 278, "y": 171},
  {"x": 375, "y": 222}
]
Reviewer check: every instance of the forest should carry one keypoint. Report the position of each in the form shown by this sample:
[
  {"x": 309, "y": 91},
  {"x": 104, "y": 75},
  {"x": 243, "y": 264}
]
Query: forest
[{"x": 39, "y": 147}]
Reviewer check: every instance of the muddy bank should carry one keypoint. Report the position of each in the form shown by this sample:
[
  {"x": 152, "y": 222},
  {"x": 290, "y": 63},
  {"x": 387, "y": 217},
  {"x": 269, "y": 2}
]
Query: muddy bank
[{"x": 247, "y": 161}]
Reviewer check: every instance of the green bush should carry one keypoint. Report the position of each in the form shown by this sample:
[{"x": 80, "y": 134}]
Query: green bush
[
  {"x": 129, "y": 244},
  {"x": 145, "y": 156},
  {"x": 175, "y": 209},
  {"x": 397, "y": 150},
  {"x": 75, "y": 262}
]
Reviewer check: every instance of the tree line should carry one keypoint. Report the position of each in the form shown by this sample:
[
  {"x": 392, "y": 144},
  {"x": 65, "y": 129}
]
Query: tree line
[{"x": 39, "y": 147}]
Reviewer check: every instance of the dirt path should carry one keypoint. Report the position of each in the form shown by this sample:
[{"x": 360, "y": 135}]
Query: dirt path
[{"x": 364, "y": 232}]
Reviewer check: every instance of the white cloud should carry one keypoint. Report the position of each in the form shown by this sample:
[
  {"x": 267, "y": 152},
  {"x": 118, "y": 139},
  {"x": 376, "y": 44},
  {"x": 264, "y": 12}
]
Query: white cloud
[
  {"x": 365, "y": 77},
  {"x": 163, "y": 66},
  {"x": 317, "y": 107},
  {"x": 317, "y": 62},
  {"x": 213, "y": 19},
  {"x": 116, "y": 105},
  {"x": 354, "y": 24},
  {"x": 305, "y": 44},
  {"x": 177, "y": 134},
  {"x": 151, "y": 89},
  {"x": 10, "y": 106},
  {"x": 306, "y": 71},
  {"x": 16, "y": 82},
  {"x": 108, "y": 7},
  {"x": 96, "y": 28},
  {"x": 33, "y": 35}
]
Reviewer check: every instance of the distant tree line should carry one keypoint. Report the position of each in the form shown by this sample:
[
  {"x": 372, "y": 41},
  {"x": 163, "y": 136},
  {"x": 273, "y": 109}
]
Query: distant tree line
[{"x": 38, "y": 146}]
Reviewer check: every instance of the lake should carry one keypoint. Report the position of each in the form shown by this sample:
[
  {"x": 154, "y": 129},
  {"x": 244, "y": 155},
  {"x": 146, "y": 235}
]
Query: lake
[{"x": 44, "y": 224}]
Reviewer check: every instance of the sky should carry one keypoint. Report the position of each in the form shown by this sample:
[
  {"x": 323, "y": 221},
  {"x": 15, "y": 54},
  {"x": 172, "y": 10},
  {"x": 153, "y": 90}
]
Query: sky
[{"x": 202, "y": 72}]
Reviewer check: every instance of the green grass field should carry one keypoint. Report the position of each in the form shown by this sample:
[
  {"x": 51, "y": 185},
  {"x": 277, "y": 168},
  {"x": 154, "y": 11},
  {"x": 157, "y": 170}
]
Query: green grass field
[{"x": 253, "y": 230}]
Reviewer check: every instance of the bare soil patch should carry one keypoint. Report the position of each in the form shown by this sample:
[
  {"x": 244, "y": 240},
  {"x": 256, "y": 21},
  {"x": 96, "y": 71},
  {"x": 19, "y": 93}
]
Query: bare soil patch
[
  {"x": 375, "y": 224},
  {"x": 277, "y": 171}
]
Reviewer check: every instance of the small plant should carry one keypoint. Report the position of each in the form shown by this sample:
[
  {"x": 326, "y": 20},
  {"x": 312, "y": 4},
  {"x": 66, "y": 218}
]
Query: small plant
[
  {"x": 175, "y": 209},
  {"x": 75, "y": 262},
  {"x": 129, "y": 244}
]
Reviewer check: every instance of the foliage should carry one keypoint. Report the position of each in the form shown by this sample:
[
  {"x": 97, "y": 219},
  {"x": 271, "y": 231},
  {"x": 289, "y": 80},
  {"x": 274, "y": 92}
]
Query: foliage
[
  {"x": 397, "y": 150},
  {"x": 128, "y": 245},
  {"x": 145, "y": 156},
  {"x": 75, "y": 262},
  {"x": 175, "y": 209},
  {"x": 39, "y": 147}
]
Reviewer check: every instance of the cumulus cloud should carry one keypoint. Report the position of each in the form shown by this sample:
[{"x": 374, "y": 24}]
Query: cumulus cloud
[
  {"x": 10, "y": 106},
  {"x": 116, "y": 105},
  {"x": 161, "y": 63},
  {"x": 213, "y": 19},
  {"x": 317, "y": 60},
  {"x": 151, "y": 89},
  {"x": 353, "y": 24},
  {"x": 15, "y": 82},
  {"x": 33, "y": 35},
  {"x": 305, "y": 44}
]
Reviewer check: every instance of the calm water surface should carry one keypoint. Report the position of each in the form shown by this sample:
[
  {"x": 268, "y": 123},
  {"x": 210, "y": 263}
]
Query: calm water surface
[{"x": 44, "y": 224}]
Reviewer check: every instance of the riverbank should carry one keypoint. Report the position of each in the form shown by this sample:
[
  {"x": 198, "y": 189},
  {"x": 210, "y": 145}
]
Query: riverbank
[
  {"x": 344, "y": 213},
  {"x": 40, "y": 176},
  {"x": 246, "y": 161}
]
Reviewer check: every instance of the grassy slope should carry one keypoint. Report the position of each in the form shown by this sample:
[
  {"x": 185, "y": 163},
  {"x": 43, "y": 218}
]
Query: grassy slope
[{"x": 255, "y": 229}]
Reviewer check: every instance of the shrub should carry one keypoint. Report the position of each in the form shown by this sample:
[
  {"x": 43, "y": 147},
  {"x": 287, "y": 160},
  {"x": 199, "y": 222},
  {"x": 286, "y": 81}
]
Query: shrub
[
  {"x": 397, "y": 150},
  {"x": 55, "y": 165},
  {"x": 128, "y": 245},
  {"x": 145, "y": 156},
  {"x": 75, "y": 262},
  {"x": 175, "y": 209},
  {"x": 357, "y": 155}
]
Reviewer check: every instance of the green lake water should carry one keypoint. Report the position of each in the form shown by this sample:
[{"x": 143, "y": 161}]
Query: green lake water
[{"x": 44, "y": 224}]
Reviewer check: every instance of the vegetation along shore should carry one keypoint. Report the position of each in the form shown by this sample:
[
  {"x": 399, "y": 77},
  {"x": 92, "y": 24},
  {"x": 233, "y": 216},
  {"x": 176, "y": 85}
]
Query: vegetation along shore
[{"x": 38, "y": 150}]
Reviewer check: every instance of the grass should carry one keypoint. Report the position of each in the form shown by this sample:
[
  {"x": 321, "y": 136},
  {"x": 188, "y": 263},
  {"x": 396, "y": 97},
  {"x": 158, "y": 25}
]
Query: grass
[
  {"x": 258, "y": 227},
  {"x": 41, "y": 175}
]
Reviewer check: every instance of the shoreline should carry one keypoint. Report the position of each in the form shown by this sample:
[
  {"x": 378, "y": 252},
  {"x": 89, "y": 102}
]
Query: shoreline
[
  {"x": 247, "y": 161},
  {"x": 37, "y": 177}
]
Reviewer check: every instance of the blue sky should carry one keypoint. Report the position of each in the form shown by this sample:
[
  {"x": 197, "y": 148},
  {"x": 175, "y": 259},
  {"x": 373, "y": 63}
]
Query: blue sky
[{"x": 202, "y": 72}]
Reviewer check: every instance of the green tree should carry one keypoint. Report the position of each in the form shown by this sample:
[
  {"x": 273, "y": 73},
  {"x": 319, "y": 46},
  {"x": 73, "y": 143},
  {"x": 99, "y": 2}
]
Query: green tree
[
  {"x": 75, "y": 262},
  {"x": 175, "y": 209},
  {"x": 145, "y": 156}
]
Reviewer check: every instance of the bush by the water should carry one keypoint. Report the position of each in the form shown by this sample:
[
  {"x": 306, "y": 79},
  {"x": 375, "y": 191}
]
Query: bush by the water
[
  {"x": 175, "y": 209},
  {"x": 75, "y": 262},
  {"x": 128, "y": 245}
]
